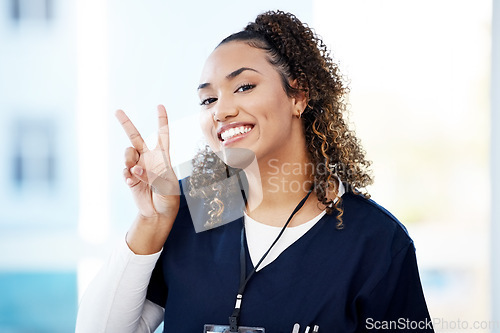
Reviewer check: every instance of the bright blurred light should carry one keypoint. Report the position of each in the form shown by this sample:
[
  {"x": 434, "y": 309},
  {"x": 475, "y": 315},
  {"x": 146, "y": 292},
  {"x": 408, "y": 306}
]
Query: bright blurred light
[{"x": 92, "y": 112}]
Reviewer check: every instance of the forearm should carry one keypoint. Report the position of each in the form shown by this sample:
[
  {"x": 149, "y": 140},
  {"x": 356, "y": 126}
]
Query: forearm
[{"x": 114, "y": 302}]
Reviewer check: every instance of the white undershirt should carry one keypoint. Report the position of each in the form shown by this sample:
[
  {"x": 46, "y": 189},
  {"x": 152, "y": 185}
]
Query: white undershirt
[{"x": 260, "y": 236}]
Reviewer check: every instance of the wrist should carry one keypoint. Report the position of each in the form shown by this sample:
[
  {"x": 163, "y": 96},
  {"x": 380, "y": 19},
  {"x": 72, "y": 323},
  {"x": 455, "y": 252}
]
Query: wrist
[{"x": 148, "y": 234}]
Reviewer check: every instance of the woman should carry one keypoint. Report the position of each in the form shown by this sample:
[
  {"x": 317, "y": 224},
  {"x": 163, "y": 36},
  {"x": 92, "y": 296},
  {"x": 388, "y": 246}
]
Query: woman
[{"x": 311, "y": 249}]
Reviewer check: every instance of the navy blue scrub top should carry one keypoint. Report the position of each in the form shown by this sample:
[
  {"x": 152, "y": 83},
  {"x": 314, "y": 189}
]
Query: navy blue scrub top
[{"x": 357, "y": 279}]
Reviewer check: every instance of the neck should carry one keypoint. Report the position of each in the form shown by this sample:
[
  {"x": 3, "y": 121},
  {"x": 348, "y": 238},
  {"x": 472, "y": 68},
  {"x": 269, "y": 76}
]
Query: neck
[{"x": 277, "y": 184}]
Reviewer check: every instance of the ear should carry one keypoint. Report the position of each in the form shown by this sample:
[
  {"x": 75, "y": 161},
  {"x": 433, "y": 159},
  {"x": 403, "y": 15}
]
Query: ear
[{"x": 299, "y": 100}]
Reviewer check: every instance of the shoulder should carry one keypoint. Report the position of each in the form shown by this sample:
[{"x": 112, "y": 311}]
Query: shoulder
[
  {"x": 371, "y": 223},
  {"x": 357, "y": 207}
]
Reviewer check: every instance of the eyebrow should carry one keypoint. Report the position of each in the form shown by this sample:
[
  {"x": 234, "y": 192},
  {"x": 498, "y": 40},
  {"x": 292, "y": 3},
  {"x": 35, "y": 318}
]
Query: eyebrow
[
  {"x": 230, "y": 76},
  {"x": 237, "y": 72}
]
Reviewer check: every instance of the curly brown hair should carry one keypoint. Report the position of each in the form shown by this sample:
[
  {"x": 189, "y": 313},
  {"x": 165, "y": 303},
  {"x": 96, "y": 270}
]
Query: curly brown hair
[{"x": 299, "y": 55}]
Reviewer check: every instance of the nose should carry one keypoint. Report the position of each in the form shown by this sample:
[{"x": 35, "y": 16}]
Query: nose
[{"x": 224, "y": 109}]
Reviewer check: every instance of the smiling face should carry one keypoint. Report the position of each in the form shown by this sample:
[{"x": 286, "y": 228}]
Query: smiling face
[{"x": 244, "y": 104}]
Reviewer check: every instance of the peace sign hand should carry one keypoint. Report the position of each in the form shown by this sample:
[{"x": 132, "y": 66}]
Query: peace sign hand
[{"x": 149, "y": 173}]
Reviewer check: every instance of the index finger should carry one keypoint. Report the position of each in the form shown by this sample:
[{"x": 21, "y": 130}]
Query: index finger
[{"x": 132, "y": 132}]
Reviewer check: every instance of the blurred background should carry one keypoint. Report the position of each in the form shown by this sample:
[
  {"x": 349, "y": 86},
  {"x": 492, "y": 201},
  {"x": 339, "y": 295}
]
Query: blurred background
[{"x": 421, "y": 101}]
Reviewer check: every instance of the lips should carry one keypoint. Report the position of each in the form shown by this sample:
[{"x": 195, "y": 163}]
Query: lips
[{"x": 233, "y": 131}]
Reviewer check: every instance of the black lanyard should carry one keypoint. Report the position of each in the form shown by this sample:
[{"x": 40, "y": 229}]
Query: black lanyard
[{"x": 233, "y": 319}]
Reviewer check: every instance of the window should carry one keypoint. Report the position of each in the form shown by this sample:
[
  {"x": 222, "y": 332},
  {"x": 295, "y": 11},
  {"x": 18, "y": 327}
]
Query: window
[
  {"x": 32, "y": 10},
  {"x": 34, "y": 156}
]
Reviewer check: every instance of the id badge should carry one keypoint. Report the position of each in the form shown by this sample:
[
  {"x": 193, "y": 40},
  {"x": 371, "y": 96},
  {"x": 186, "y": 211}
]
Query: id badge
[{"x": 225, "y": 329}]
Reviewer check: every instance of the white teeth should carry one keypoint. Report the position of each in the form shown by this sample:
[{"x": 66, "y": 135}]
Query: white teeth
[{"x": 234, "y": 131}]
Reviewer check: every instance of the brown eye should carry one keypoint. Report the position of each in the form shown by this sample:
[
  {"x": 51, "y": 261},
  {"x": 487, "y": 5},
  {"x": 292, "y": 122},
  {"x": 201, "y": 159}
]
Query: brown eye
[
  {"x": 208, "y": 101},
  {"x": 245, "y": 87}
]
